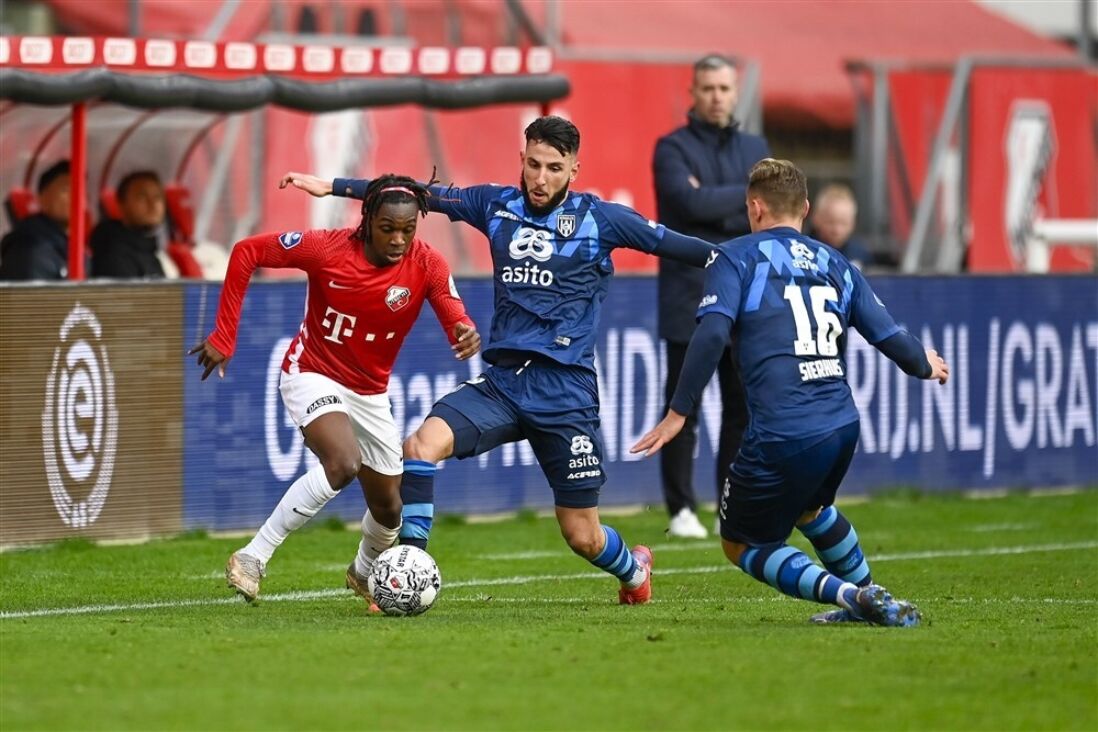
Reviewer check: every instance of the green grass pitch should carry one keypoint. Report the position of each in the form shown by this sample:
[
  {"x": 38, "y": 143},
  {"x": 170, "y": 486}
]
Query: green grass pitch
[{"x": 526, "y": 636}]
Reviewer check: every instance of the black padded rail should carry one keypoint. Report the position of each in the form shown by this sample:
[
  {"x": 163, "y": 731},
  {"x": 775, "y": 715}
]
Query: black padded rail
[{"x": 150, "y": 91}]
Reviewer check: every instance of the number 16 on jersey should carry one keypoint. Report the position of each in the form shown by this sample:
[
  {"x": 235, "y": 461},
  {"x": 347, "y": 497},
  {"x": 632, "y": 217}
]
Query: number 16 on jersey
[{"x": 825, "y": 340}]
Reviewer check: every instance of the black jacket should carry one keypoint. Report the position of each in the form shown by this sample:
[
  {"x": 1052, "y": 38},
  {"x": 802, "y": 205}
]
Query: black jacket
[
  {"x": 720, "y": 159},
  {"x": 124, "y": 253},
  {"x": 36, "y": 249}
]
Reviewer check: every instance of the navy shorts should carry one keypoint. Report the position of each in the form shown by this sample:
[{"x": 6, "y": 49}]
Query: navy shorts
[
  {"x": 773, "y": 483},
  {"x": 555, "y": 407}
]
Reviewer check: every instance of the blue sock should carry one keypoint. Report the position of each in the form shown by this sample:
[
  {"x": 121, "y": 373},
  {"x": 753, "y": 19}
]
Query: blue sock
[
  {"x": 417, "y": 491},
  {"x": 836, "y": 544},
  {"x": 790, "y": 571},
  {"x": 615, "y": 557}
]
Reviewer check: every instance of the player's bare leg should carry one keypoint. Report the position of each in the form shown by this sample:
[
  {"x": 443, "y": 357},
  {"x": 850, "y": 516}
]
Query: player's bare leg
[
  {"x": 332, "y": 438},
  {"x": 604, "y": 548},
  {"x": 380, "y": 528}
]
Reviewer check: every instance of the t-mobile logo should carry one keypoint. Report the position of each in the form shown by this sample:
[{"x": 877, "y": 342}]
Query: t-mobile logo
[{"x": 337, "y": 330}]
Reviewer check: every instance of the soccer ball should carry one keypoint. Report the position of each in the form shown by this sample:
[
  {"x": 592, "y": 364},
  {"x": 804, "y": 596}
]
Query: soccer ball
[{"x": 405, "y": 581}]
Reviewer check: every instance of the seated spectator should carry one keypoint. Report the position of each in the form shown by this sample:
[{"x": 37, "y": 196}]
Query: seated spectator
[
  {"x": 834, "y": 213},
  {"x": 129, "y": 248},
  {"x": 37, "y": 248}
]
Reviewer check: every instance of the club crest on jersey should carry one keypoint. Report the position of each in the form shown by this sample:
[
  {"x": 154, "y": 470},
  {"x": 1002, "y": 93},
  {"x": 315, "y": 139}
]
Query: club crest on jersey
[
  {"x": 397, "y": 297},
  {"x": 566, "y": 224},
  {"x": 290, "y": 239}
]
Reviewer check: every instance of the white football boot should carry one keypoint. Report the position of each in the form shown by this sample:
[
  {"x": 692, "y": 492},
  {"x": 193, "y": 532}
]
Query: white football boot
[{"x": 244, "y": 573}]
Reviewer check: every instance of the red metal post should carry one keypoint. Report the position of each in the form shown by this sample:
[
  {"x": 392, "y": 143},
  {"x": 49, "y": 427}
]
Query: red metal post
[
  {"x": 545, "y": 107},
  {"x": 78, "y": 164}
]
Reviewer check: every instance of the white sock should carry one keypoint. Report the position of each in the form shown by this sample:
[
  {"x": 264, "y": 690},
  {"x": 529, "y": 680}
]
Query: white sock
[
  {"x": 302, "y": 501},
  {"x": 375, "y": 539}
]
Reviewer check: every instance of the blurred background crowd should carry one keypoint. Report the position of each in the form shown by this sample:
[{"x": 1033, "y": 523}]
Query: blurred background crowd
[{"x": 936, "y": 135}]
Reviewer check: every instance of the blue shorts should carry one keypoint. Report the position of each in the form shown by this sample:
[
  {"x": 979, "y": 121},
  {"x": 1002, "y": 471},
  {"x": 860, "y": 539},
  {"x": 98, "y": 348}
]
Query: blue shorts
[
  {"x": 773, "y": 483},
  {"x": 555, "y": 407}
]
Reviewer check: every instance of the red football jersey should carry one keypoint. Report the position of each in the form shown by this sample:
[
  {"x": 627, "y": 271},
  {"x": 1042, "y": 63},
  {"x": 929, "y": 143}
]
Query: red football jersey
[{"x": 356, "y": 315}]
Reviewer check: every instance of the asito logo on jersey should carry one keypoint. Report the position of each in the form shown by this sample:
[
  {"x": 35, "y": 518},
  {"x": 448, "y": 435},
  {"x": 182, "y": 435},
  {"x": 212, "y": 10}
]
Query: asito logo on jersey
[
  {"x": 397, "y": 297},
  {"x": 290, "y": 239},
  {"x": 533, "y": 243},
  {"x": 529, "y": 243}
]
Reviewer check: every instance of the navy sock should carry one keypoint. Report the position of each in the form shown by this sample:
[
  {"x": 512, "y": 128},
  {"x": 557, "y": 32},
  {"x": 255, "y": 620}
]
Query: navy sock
[
  {"x": 615, "y": 557},
  {"x": 791, "y": 572},
  {"x": 836, "y": 544},
  {"x": 417, "y": 491}
]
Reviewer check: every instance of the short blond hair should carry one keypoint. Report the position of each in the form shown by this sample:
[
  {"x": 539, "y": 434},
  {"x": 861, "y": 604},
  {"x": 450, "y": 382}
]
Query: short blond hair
[
  {"x": 835, "y": 192},
  {"x": 780, "y": 184}
]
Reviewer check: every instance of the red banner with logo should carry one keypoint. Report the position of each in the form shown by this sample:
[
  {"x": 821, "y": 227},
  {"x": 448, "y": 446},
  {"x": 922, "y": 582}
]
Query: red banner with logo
[{"x": 1032, "y": 155}]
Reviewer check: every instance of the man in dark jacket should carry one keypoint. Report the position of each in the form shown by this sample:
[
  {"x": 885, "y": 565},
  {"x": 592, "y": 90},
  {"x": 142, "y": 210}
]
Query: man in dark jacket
[
  {"x": 37, "y": 248},
  {"x": 701, "y": 172},
  {"x": 128, "y": 248}
]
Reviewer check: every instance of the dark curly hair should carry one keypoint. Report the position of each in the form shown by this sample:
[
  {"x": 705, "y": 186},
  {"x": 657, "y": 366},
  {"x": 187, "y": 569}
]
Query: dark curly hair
[{"x": 391, "y": 188}]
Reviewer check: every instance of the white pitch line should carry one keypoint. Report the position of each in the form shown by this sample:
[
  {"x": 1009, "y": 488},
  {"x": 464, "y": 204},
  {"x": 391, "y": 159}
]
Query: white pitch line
[
  {"x": 985, "y": 552},
  {"x": 984, "y": 528},
  {"x": 522, "y": 579},
  {"x": 773, "y": 598}
]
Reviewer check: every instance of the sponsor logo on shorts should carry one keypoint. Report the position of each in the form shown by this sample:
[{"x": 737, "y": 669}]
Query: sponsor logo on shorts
[
  {"x": 581, "y": 445},
  {"x": 585, "y": 474},
  {"x": 586, "y": 461},
  {"x": 290, "y": 239},
  {"x": 323, "y": 401}
]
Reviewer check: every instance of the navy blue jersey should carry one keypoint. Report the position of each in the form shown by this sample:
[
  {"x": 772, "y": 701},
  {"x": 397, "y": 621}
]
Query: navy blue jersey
[
  {"x": 551, "y": 272},
  {"x": 793, "y": 300}
]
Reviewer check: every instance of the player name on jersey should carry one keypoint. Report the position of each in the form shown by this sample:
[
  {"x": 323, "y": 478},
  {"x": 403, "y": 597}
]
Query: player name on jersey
[{"x": 822, "y": 369}]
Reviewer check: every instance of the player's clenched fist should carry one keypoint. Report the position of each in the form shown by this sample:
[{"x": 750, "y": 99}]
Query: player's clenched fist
[{"x": 468, "y": 341}]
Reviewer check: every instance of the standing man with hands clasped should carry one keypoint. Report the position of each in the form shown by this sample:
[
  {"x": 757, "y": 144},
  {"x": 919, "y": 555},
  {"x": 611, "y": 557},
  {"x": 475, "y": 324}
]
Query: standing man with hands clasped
[{"x": 700, "y": 172}]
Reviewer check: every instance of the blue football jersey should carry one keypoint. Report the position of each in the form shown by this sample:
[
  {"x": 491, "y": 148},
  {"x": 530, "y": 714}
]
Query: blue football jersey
[
  {"x": 551, "y": 272},
  {"x": 792, "y": 300}
]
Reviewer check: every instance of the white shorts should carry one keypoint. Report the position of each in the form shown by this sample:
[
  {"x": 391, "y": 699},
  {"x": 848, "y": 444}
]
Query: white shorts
[{"x": 308, "y": 396}]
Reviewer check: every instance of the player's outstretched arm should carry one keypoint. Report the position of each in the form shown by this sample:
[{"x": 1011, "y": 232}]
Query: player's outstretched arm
[
  {"x": 290, "y": 249},
  {"x": 713, "y": 335},
  {"x": 872, "y": 319},
  {"x": 624, "y": 227},
  {"x": 311, "y": 184}
]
